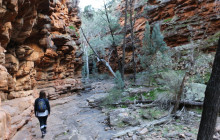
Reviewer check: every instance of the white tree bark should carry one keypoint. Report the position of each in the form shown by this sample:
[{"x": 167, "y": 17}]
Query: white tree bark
[
  {"x": 98, "y": 57},
  {"x": 87, "y": 62}
]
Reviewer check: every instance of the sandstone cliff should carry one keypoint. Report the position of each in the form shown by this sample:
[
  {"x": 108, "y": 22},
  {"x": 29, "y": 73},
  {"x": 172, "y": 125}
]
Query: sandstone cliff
[
  {"x": 182, "y": 22},
  {"x": 39, "y": 50}
]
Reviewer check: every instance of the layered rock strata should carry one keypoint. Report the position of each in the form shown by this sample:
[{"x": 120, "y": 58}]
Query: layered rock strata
[
  {"x": 183, "y": 22},
  {"x": 39, "y": 50}
]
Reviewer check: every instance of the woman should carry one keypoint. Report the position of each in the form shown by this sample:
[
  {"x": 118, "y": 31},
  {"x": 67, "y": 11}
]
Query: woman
[{"x": 42, "y": 110}]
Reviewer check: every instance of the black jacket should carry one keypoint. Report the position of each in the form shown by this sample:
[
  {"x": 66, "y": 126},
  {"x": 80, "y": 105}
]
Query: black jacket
[{"x": 36, "y": 104}]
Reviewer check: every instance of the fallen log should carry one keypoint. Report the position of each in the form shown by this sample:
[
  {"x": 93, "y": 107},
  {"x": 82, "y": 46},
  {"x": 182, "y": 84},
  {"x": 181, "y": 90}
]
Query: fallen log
[
  {"x": 133, "y": 102},
  {"x": 153, "y": 123},
  {"x": 145, "y": 106},
  {"x": 182, "y": 103}
]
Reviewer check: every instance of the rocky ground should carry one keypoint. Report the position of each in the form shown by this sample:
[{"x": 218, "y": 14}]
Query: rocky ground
[{"x": 72, "y": 118}]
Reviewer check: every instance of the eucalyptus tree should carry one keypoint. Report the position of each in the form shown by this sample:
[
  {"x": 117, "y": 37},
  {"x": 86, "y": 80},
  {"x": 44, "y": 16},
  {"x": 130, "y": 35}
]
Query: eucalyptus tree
[
  {"x": 102, "y": 32},
  {"x": 124, "y": 42}
]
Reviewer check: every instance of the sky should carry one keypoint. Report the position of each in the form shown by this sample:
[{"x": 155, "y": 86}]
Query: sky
[{"x": 95, "y": 3}]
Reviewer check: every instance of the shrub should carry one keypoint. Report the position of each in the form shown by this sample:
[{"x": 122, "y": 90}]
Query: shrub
[
  {"x": 119, "y": 83},
  {"x": 152, "y": 44},
  {"x": 114, "y": 96},
  {"x": 171, "y": 81}
]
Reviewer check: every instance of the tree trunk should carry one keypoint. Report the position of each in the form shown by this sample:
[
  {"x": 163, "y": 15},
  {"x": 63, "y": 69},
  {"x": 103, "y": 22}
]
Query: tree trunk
[
  {"x": 132, "y": 40},
  {"x": 113, "y": 39},
  {"x": 87, "y": 63},
  {"x": 211, "y": 102},
  {"x": 176, "y": 106},
  {"x": 124, "y": 43},
  {"x": 96, "y": 54}
]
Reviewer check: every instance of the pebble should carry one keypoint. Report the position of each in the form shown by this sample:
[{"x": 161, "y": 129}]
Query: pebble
[
  {"x": 182, "y": 136},
  {"x": 171, "y": 135},
  {"x": 134, "y": 137},
  {"x": 188, "y": 134},
  {"x": 143, "y": 131},
  {"x": 107, "y": 128},
  {"x": 154, "y": 134},
  {"x": 130, "y": 134}
]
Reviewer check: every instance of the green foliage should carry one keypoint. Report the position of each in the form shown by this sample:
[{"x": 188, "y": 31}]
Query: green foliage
[
  {"x": 213, "y": 38},
  {"x": 121, "y": 125},
  {"x": 162, "y": 62},
  {"x": 203, "y": 63},
  {"x": 198, "y": 110},
  {"x": 152, "y": 95},
  {"x": 114, "y": 96},
  {"x": 157, "y": 38},
  {"x": 202, "y": 68},
  {"x": 199, "y": 78},
  {"x": 97, "y": 29},
  {"x": 128, "y": 98},
  {"x": 167, "y": 20},
  {"x": 155, "y": 113},
  {"x": 88, "y": 11},
  {"x": 72, "y": 27},
  {"x": 152, "y": 44},
  {"x": 119, "y": 83},
  {"x": 171, "y": 81}
]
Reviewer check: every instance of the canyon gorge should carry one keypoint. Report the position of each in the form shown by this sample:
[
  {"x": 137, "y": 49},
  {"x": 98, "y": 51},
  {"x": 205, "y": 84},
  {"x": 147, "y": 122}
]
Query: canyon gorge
[
  {"x": 39, "y": 51},
  {"x": 40, "y": 47}
]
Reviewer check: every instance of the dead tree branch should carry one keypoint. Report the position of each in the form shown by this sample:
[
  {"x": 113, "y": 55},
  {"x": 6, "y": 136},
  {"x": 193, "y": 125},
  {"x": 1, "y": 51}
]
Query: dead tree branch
[{"x": 99, "y": 58}]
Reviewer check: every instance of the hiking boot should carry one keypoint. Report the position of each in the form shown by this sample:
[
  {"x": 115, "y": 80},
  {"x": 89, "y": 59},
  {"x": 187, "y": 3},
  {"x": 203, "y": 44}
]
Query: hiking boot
[{"x": 43, "y": 135}]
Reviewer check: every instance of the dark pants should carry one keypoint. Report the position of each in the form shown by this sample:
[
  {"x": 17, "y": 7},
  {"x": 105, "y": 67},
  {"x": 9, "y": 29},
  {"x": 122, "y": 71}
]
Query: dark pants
[{"x": 43, "y": 123}]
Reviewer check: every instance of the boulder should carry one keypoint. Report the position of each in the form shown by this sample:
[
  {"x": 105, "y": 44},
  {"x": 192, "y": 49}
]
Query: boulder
[
  {"x": 96, "y": 99},
  {"x": 132, "y": 121},
  {"x": 139, "y": 90},
  {"x": 117, "y": 116},
  {"x": 194, "y": 92}
]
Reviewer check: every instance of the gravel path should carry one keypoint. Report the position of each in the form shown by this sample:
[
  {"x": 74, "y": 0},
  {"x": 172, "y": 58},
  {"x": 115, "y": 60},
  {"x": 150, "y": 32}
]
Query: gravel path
[{"x": 70, "y": 119}]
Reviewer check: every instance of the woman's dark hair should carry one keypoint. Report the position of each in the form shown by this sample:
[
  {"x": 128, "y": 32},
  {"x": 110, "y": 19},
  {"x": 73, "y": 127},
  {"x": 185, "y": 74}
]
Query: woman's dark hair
[{"x": 42, "y": 94}]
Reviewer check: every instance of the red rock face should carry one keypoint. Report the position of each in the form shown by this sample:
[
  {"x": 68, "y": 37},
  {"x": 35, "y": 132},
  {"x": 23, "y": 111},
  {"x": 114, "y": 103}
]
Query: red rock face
[
  {"x": 39, "y": 48},
  {"x": 182, "y": 22}
]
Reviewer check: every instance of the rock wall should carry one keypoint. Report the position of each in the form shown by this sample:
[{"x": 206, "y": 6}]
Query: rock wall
[
  {"x": 39, "y": 50},
  {"x": 182, "y": 22}
]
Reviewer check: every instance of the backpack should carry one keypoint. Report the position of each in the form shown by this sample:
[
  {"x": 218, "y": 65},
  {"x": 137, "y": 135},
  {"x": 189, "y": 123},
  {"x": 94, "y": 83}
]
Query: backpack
[{"x": 42, "y": 105}]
